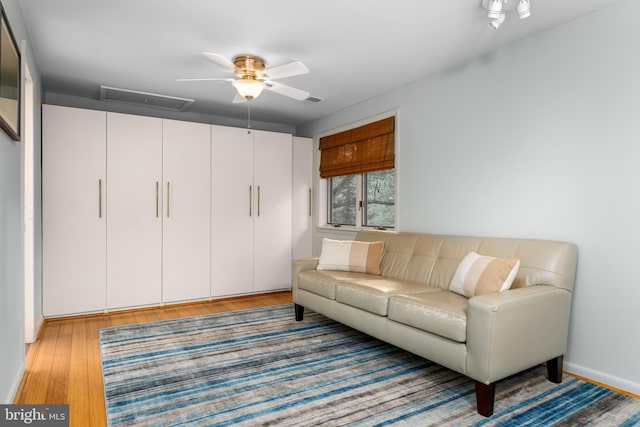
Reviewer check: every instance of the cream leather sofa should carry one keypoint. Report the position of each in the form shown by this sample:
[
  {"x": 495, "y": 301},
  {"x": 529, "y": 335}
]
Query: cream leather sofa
[{"x": 486, "y": 337}]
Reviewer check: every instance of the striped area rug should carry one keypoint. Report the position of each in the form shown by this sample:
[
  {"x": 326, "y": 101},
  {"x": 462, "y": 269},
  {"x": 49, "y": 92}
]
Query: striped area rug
[{"x": 261, "y": 367}]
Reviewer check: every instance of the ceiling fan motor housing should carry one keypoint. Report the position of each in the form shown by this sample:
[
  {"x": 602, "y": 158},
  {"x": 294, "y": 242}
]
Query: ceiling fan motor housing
[{"x": 248, "y": 66}]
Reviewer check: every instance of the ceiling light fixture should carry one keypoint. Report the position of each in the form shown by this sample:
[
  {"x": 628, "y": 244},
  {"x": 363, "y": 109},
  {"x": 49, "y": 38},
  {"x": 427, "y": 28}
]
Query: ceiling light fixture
[
  {"x": 496, "y": 10},
  {"x": 248, "y": 87},
  {"x": 495, "y": 23},
  {"x": 524, "y": 9}
]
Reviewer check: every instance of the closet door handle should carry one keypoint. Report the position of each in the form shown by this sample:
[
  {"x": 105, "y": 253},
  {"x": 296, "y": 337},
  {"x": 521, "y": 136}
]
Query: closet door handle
[
  {"x": 250, "y": 199},
  {"x": 168, "y": 199},
  {"x": 99, "y": 198},
  {"x": 310, "y": 199},
  {"x": 258, "y": 200},
  {"x": 157, "y": 199}
]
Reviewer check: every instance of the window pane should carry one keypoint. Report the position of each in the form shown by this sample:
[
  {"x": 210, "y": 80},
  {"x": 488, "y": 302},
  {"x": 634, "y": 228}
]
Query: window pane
[
  {"x": 379, "y": 201},
  {"x": 342, "y": 200}
]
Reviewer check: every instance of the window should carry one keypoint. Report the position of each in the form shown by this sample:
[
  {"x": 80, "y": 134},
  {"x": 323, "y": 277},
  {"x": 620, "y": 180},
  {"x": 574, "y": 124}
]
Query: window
[
  {"x": 378, "y": 203},
  {"x": 362, "y": 200},
  {"x": 342, "y": 200},
  {"x": 358, "y": 165}
]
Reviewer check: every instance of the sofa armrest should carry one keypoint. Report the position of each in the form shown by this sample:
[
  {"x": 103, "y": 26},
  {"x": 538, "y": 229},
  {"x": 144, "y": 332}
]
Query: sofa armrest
[
  {"x": 508, "y": 332},
  {"x": 299, "y": 265}
]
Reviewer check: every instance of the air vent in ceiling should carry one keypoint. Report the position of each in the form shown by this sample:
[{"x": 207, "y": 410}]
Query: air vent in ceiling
[
  {"x": 313, "y": 99},
  {"x": 153, "y": 100}
]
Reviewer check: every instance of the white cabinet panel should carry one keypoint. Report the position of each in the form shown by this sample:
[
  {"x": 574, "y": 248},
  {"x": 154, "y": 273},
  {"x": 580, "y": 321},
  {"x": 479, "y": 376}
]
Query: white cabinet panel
[
  {"x": 134, "y": 209},
  {"x": 74, "y": 217},
  {"x": 232, "y": 211},
  {"x": 140, "y": 211},
  {"x": 272, "y": 223},
  {"x": 186, "y": 220},
  {"x": 302, "y": 197},
  {"x": 251, "y": 211}
]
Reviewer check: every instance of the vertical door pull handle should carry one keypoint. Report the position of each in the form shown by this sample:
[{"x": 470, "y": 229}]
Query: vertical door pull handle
[
  {"x": 99, "y": 198},
  {"x": 157, "y": 199},
  {"x": 310, "y": 199},
  {"x": 168, "y": 199},
  {"x": 258, "y": 200},
  {"x": 250, "y": 199}
]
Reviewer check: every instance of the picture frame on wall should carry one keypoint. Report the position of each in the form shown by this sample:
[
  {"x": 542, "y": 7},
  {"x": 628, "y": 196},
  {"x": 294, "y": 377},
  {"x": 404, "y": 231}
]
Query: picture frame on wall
[{"x": 10, "y": 73}]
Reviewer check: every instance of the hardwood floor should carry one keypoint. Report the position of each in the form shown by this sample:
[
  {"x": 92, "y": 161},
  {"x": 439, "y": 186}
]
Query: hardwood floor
[{"x": 63, "y": 365}]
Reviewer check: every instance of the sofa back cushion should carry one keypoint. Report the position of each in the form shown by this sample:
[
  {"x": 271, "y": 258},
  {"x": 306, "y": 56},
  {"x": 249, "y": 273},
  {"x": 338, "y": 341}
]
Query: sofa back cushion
[{"x": 433, "y": 259}]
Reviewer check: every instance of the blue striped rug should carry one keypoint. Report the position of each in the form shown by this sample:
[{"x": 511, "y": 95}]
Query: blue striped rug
[{"x": 260, "y": 367}]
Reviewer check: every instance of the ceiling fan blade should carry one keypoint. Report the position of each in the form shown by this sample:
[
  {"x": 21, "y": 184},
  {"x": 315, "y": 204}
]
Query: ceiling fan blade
[
  {"x": 291, "y": 92},
  {"x": 286, "y": 70},
  {"x": 212, "y": 79},
  {"x": 220, "y": 60}
]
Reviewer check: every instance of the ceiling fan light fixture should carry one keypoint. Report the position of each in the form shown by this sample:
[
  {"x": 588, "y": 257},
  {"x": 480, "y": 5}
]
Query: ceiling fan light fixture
[{"x": 248, "y": 88}]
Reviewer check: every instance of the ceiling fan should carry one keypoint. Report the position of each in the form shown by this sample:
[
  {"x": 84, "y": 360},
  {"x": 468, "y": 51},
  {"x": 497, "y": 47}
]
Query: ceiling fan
[{"x": 253, "y": 76}]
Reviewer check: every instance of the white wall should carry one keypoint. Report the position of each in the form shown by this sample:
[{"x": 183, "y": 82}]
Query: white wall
[
  {"x": 12, "y": 337},
  {"x": 540, "y": 139}
]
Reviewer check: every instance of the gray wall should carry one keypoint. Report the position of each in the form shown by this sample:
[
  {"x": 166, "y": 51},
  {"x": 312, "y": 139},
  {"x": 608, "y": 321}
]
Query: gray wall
[
  {"x": 12, "y": 337},
  {"x": 540, "y": 139}
]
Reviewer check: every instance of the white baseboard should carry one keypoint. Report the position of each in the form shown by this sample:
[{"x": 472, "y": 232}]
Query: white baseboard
[
  {"x": 13, "y": 391},
  {"x": 601, "y": 377}
]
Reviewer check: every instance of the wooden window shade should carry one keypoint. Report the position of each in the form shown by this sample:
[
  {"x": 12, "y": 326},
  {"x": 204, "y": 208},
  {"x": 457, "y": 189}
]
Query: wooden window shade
[{"x": 367, "y": 148}]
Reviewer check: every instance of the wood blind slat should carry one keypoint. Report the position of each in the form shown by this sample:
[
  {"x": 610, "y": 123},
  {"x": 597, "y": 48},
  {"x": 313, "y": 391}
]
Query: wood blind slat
[{"x": 368, "y": 148}]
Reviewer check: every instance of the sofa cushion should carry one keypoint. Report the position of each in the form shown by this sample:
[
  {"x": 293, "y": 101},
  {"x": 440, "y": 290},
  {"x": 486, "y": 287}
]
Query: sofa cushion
[
  {"x": 346, "y": 255},
  {"x": 373, "y": 295},
  {"x": 324, "y": 282},
  {"x": 478, "y": 274},
  {"x": 442, "y": 313}
]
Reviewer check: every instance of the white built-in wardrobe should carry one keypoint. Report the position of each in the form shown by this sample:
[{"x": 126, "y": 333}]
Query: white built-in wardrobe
[{"x": 142, "y": 211}]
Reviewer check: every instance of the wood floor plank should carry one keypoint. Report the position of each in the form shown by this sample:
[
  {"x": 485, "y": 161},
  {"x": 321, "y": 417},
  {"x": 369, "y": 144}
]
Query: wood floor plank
[
  {"x": 59, "y": 376},
  {"x": 63, "y": 365},
  {"x": 78, "y": 389}
]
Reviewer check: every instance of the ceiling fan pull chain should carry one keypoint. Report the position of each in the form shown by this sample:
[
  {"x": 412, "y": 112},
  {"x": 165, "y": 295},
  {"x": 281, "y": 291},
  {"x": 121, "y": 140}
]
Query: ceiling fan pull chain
[{"x": 249, "y": 111}]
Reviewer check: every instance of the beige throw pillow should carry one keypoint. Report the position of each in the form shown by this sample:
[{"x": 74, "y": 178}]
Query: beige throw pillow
[
  {"x": 478, "y": 274},
  {"x": 347, "y": 255}
]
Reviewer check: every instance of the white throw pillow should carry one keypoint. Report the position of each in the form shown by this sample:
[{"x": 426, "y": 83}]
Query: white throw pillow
[
  {"x": 479, "y": 274},
  {"x": 351, "y": 255}
]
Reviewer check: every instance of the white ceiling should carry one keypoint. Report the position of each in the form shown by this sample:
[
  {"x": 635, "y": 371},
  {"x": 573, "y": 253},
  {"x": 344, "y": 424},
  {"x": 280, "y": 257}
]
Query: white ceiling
[{"x": 355, "y": 49}]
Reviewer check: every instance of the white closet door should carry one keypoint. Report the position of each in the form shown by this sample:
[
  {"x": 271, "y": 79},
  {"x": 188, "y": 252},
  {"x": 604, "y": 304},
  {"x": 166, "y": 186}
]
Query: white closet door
[
  {"x": 272, "y": 223},
  {"x": 134, "y": 210},
  {"x": 74, "y": 215},
  {"x": 232, "y": 211},
  {"x": 302, "y": 197},
  {"x": 186, "y": 211}
]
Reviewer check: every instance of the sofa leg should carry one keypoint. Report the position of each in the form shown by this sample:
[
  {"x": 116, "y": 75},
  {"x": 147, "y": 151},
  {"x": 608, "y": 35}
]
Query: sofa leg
[
  {"x": 485, "y": 396},
  {"x": 299, "y": 312},
  {"x": 554, "y": 369}
]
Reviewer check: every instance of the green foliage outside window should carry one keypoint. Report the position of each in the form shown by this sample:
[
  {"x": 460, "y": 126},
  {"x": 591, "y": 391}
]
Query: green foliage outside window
[
  {"x": 377, "y": 206},
  {"x": 380, "y": 199},
  {"x": 342, "y": 200}
]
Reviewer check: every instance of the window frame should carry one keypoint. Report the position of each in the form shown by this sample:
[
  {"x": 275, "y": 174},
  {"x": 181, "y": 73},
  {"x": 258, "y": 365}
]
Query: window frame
[
  {"x": 359, "y": 205},
  {"x": 323, "y": 196}
]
